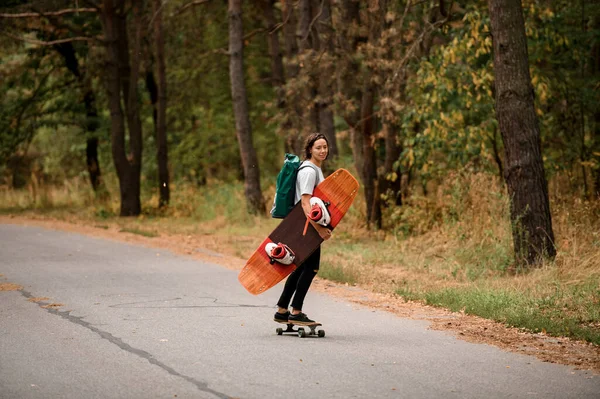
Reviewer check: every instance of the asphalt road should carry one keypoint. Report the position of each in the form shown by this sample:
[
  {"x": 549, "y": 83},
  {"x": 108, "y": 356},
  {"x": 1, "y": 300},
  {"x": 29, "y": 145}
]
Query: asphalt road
[{"x": 138, "y": 322}]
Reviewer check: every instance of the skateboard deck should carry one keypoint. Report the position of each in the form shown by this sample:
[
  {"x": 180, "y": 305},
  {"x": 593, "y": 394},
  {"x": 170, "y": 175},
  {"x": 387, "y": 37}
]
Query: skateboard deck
[
  {"x": 260, "y": 273},
  {"x": 301, "y": 331}
]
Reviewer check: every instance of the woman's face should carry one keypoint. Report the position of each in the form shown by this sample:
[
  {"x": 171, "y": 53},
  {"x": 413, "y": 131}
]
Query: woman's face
[{"x": 319, "y": 150}]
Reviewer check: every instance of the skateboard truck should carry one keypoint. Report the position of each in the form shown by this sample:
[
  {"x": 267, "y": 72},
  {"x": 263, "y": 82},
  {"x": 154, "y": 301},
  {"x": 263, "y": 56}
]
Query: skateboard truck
[{"x": 301, "y": 331}]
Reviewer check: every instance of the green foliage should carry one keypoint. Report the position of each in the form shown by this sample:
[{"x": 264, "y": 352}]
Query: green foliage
[
  {"x": 561, "y": 39},
  {"x": 452, "y": 124},
  {"x": 208, "y": 150},
  {"x": 62, "y": 152},
  {"x": 337, "y": 273}
]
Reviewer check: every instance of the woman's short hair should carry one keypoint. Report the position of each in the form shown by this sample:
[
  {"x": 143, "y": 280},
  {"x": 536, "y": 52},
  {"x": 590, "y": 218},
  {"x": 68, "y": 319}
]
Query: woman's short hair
[{"x": 310, "y": 141}]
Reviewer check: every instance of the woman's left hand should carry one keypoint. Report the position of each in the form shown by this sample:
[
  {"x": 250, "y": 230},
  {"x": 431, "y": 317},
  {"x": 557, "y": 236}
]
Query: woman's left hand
[{"x": 324, "y": 232}]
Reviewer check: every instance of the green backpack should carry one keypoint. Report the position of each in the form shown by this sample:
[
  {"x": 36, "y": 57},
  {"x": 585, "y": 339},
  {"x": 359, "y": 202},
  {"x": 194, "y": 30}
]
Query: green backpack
[{"x": 285, "y": 190}]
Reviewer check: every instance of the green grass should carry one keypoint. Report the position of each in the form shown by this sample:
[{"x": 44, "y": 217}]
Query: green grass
[
  {"x": 337, "y": 273},
  {"x": 567, "y": 312}
]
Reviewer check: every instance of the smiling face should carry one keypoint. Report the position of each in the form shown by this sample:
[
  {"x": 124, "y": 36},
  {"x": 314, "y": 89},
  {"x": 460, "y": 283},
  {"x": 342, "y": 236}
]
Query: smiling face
[
  {"x": 316, "y": 148},
  {"x": 319, "y": 150}
]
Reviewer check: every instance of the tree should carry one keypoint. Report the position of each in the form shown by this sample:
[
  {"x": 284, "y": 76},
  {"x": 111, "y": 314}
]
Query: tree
[
  {"x": 67, "y": 51},
  {"x": 349, "y": 90},
  {"x": 533, "y": 237},
  {"x": 122, "y": 72},
  {"x": 595, "y": 73},
  {"x": 324, "y": 52},
  {"x": 49, "y": 25},
  {"x": 254, "y": 198},
  {"x": 162, "y": 156}
]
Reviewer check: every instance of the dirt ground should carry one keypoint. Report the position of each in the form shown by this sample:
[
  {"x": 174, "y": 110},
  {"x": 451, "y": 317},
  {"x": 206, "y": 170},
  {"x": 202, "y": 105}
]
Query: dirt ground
[{"x": 565, "y": 351}]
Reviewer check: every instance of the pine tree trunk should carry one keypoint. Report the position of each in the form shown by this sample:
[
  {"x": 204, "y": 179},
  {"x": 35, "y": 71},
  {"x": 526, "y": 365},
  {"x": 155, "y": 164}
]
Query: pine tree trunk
[
  {"x": 369, "y": 172},
  {"x": 277, "y": 68},
  {"x": 390, "y": 180},
  {"x": 254, "y": 198},
  {"x": 348, "y": 71},
  {"x": 277, "y": 74},
  {"x": 128, "y": 166},
  {"x": 524, "y": 173},
  {"x": 292, "y": 126},
  {"x": 310, "y": 116},
  {"x": 162, "y": 157},
  {"x": 93, "y": 166},
  {"x": 324, "y": 47},
  {"x": 595, "y": 72},
  {"x": 67, "y": 51}
]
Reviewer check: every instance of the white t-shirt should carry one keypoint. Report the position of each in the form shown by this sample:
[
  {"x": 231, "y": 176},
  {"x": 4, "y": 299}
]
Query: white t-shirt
[{"x": 307, "y": 179}]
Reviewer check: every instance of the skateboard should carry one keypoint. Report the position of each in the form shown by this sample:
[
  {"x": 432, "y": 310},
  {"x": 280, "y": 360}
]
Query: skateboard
[
  {"x": 261, "y": 272},
  {"x": 301, "y": 331}
]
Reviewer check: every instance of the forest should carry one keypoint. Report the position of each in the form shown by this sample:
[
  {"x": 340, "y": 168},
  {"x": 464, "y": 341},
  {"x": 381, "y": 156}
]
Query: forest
[{"x": 473, "y": 128}]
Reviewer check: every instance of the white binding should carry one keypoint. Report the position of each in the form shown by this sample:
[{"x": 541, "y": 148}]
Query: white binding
[
  {"x": 325, "y": 218},
  {"x": 289, "y": 257}
]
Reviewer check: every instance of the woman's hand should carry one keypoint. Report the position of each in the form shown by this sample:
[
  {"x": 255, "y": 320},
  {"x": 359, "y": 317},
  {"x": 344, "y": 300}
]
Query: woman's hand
[{"x": 324, "y": 232}]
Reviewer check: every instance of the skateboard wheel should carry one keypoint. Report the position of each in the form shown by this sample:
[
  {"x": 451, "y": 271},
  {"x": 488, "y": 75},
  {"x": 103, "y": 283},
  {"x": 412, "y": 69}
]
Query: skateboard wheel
[
  {"x": 279, "y": 331},
  {"x": 321, "y": 333},
  {"x": 301, "y": 333}
]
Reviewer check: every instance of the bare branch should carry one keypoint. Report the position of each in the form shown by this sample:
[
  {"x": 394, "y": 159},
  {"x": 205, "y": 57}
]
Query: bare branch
[
  {"x": 189, "y": 5},
  {"x": 48, "y": 14},
  {"x": 410, "y": 52},
  {"x": 50, "y": 43},
  {"x": 310, "y": 26},
  {"x": 254, "y": 33}
]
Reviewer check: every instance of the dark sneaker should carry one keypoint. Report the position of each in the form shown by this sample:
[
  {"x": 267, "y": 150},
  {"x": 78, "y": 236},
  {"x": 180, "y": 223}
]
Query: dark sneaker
[
  {"x": 281, "y": 317},
  {"x": 301, "y": 319}
]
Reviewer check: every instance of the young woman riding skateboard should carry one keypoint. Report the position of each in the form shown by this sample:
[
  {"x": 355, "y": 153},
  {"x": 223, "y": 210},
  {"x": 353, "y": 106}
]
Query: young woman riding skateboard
[{"x": 316, "y": 150}]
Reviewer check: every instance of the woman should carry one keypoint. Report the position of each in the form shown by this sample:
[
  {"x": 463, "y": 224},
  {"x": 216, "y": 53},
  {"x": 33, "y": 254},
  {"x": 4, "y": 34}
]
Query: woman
[{"x": 316, "y": 150}]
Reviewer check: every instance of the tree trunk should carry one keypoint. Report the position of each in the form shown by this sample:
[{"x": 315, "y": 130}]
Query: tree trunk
[
  {"x": 494, "y": 141},
  {"x": 527, "y": 187},
  {"x": 390, "y": 180},
  {"x": 293, "y": 126},
  {"x": 254, "y": 198},
  {"x": 597, "y": 138},
  {"x": 89, "y": 100},
  {"x": 162, "y": 157},
  {"x": 277, "y": 68},
  {"x": 152, "y": 88},
  {"x": 324, "y": 47},
  {"x": 310, "y": 119},
  {"x": 376, "y": 21},
  {"x": 128, "y": 166},
  {"x": 348, "y": 70},
  {"x": 369, "y": 172},
  {"x": 91, "y": 152},
  {"x": 595, "y": 72},
  {"x": 277, "y": 74}
]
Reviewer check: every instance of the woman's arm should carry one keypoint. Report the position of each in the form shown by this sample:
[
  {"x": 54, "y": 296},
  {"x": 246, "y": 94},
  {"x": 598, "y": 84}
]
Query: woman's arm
[{"x": 324, "y": 232}]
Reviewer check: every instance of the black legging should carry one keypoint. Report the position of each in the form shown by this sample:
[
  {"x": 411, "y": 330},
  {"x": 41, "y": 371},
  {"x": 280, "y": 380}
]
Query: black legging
[{"x": 299, "y": 282}]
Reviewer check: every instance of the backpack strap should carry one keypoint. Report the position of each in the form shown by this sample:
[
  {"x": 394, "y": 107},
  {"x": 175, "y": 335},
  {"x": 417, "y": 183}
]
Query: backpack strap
[{"x": 306, "y": 164}]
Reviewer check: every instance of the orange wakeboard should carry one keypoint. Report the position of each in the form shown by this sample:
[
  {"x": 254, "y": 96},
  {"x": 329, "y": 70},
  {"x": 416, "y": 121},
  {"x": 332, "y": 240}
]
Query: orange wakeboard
[{"x": 260, "y": 272}]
